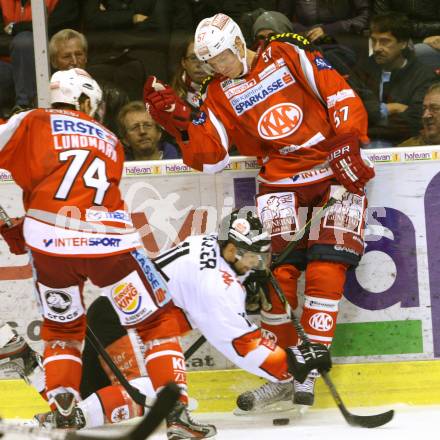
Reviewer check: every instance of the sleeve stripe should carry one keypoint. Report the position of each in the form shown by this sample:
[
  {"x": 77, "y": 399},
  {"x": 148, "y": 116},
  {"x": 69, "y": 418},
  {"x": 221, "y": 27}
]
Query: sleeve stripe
[
  {"x": 7, "y": 130},
  {"x": 307, "y": 69},
  {"x": 220, "y": 130},
  {"x": 214, "y": 168}
]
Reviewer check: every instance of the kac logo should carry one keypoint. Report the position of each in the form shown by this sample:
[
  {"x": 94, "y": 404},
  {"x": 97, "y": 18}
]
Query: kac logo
[{"x": 280, "y": 120}]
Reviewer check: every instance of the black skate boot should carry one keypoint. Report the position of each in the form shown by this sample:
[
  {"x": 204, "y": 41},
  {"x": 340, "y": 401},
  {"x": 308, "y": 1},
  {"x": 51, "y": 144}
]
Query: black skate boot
[
  {"x": 16, "y": 355},
  {"x": 265, "y": 397},
  {"x": 304, "y": 393},
  {"x": 181, "y": 426}
]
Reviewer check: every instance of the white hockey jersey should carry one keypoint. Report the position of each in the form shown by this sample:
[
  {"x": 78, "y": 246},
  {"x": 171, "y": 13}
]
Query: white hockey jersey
[{"x": 212, "y": 296}]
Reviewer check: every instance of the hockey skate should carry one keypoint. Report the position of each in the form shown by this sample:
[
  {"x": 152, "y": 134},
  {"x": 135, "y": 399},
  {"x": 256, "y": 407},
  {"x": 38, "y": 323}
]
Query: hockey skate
[
  {"x": 66, "y": 415},
  {"x": 52, "y": 419},
  {"x": 16, "y": 356},
  {"x": 181, "y": 426},
  {"x": 304, "y": 393},
  {"x": 270, "y": 397}
]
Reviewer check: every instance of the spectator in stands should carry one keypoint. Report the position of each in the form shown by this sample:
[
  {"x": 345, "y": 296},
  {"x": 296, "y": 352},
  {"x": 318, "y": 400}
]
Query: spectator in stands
[
  {"x": 141, "y": 135},
  {"x": 430, "y": 133},
  {"x": 344, "y": 21},
  {"x": 68, "y": 49},
  {"x": 189, "y": 75},
  {"x": 130, "y": 37},
  {"x": 397, "y": 79},
  {"x": 270, "y": 22},
  {"x": 16, "y": 21},
  {"x": 425, "y": 30},
  {"x": 6, "y": 88}
]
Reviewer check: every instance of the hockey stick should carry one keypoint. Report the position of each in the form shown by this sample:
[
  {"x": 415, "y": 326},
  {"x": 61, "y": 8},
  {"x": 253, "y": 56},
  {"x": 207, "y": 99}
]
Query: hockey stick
[
  {"x": 132, "y": 391},
  {"x": 337, "y": 196},
  {"x": 164, "y": 403},
  {"x": 372, "y": 421}
]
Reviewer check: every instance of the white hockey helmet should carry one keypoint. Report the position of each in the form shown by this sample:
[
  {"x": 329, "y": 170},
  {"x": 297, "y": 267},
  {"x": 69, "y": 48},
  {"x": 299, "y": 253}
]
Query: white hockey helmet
[
  {"x": 66, "y": 86},
  {"x": 216, "y": 34}
]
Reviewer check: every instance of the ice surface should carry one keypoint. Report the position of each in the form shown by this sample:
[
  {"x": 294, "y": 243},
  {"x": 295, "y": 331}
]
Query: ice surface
[{"x": 409, "y": 423}]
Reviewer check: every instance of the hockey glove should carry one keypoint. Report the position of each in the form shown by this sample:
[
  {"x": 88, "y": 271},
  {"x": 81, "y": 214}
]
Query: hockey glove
[
  {"x": 257, "y": 291},
  {"x": 165, "y": 107},
  {"x": 304, "y": 358},
  {"x": 14, "y": 236},
  {"x": 348, "y": 166}
]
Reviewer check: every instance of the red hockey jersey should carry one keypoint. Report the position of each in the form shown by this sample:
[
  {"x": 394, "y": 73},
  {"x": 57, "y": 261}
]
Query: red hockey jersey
[
  {"x": 69, "y": 167},
  {"x": 285, "y": 111}
]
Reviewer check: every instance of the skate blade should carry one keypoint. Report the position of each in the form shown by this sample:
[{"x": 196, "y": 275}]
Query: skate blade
[{"x": 286, "y": 406}]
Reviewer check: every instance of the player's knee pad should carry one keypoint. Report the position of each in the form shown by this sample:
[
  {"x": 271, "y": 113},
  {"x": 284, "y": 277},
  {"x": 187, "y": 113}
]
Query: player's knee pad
[
  {"x": 335, "y": 253},
  {"x": 325, "y": 279},
  {"x": 287, "y": 276},
  {"x": 297, "y": 258},
  {"x": 73, "y": 330}
]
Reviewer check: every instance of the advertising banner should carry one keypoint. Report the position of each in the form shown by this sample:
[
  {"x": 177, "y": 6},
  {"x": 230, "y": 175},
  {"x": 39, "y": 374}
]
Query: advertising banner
[{"x": 391, "y": 309}]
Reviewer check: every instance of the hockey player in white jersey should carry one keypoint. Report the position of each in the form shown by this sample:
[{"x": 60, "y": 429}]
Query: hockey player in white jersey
[{"x": 205, "y": 275}]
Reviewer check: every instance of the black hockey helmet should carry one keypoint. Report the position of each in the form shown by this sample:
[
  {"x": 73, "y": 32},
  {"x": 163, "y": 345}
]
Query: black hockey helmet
[{"x": 244, "y": 229}]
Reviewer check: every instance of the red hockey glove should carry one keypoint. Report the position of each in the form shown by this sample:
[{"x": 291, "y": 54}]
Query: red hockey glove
[
  {"x": 348, "y": 166},
  {"x": 165, "y": 107},
  {"x": 14, "y": 236}
]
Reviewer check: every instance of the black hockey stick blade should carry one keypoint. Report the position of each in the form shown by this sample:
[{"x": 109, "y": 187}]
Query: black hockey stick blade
[
  {"x": 372, "y": 421},
  {"x": 164, "y": 403}
]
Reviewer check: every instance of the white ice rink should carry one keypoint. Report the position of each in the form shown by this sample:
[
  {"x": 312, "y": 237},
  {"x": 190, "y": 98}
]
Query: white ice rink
[{"x": 409, "y": 423}]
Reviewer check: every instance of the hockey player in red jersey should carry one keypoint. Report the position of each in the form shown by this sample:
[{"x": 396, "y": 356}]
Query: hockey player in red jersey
[
  {"x": 287, "y": 106},
  {"x": 77, "y": 227}
]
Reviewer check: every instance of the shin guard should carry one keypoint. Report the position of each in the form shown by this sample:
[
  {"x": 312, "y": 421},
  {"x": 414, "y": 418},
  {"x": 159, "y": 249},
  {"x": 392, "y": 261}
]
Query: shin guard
[
  {"x": 276, "y": 320},
  {"x": 324, "y": 288},
  {"x": 165, "y": 362}
]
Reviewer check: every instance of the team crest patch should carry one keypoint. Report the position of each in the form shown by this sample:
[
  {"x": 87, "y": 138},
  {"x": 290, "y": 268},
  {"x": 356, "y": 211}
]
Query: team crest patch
[{"x": 322, "y": 64}]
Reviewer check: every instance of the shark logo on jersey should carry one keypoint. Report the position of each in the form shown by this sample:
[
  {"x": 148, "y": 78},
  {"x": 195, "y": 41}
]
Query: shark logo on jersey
[{"x": 322, "y": 64}]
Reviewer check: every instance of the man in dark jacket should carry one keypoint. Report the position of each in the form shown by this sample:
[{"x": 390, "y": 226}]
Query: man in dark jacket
[
  {"x": 16, "y": 31},
  {"x": 397, "y": 79},
  {"x": 425, "y": 22}
]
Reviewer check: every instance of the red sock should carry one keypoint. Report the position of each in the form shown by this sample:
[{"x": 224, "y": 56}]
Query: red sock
[
  {"x": 276, "y": 319},
  {"x": 324, "y": 288},
  {"x": 117, "y": 405},
  {"x": 165, "y": 363}
]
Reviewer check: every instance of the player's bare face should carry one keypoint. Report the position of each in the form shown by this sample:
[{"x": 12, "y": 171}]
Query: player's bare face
[
  {"x": 246, "y": 261},
  {"x": 227, "y": 64}
]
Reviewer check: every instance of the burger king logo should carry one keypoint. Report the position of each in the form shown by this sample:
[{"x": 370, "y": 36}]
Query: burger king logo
[{"x": 127, "y": 298}]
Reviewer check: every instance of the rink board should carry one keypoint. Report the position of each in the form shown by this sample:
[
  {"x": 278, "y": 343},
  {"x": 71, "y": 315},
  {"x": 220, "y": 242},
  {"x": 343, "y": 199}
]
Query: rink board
[
  {"x": 391, "y": 309},
  {"x": 362, "y": 385}
]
